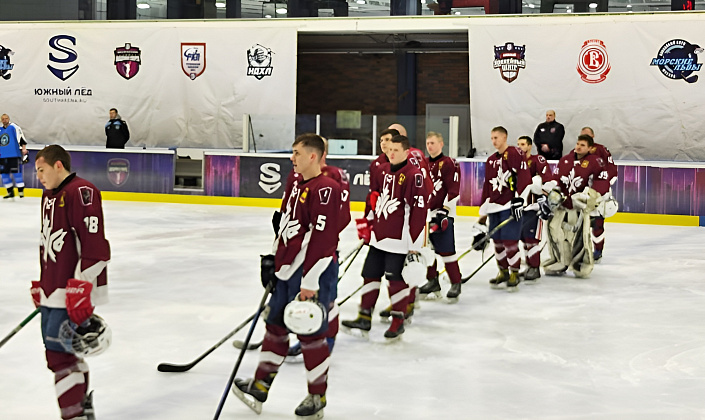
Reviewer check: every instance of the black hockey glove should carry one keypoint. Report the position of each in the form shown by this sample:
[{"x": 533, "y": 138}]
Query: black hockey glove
[
  {"x": 479, "y": 237},
  {"x": 276, "y": 219},
  {"x": 517, "y": 208},
  {"x": 267, "y": 267},
  {"x": 545, "y": 210}
]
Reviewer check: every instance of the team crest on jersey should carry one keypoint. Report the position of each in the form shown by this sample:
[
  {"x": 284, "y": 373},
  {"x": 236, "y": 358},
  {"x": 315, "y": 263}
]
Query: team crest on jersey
[
  {"x": 584, "y": 163},
  {"x": 302, "y": 198},
  {"x": 62, "y": 202},
  {"x": 505, "y": 156},
  {"x": 440, "y": 165},
  {"x": 5, "y": 65},
  {"x": 509, "y": 58},
  {"x": 259, "y": 61},
  {"x": 193, "y": 59},
  {"x": 593, "y": 63},
  {"x": 118, "y": 171},
  {"x": 677, "y": 59},
  {"x": 4, "y": 139},
  {"x": 402, "y": 178},
  {"x": 324, "y": 195},
  {"x": 418, "y": 178},
  {"x": 86, "y": 195},
  {"x": 571, "y": 181},
  {"x": 127, "y": 61}
]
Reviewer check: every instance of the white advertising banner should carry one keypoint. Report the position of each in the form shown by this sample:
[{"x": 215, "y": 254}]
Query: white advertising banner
[
  {"x": 177, "y": 84},
  {"x": 636, "y": 80}
]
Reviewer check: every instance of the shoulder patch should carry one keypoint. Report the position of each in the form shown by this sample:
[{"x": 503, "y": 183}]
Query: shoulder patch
[
  {"x": 418, "y": 180},
  {"x": 324, "y": 195},
  {"x": 541, "y": 158},
  {"x": 86, "y": 195}
]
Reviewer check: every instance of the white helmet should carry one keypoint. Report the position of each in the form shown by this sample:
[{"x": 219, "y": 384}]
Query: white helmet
[
  {"x": 91, "y": 338},
  {"x": 304, "y": 317},
  {"x": 414, "y": 271}
]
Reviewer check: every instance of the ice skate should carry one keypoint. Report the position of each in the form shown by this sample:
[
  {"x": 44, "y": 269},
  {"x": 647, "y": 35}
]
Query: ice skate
[
  {"x": 597, "y": 256},
  {"x": 397, "y": 328},
  {"x": 360, "y": 326},
  {"x": 10, "y": 194},
  {"x": 88, "y": 411},
  {"x": 253, "y": 392},
  {"x": 454, "y": 292},
  {"x": 513, "y": 282},
  {"x": 384, "y": 314},
  {"x": 408, "y": 316},
  {"x": 431, "y": 290},
  {"x": 502, "y": 277},
  {"x": 311, "y": 408},
  {"x": 21, "y": 192},
  {"x": 532, "y": 275}
]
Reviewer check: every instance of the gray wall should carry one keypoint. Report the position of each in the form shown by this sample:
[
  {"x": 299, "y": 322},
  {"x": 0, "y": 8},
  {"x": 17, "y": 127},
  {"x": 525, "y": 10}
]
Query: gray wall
[{"x": 12, "y": 10}]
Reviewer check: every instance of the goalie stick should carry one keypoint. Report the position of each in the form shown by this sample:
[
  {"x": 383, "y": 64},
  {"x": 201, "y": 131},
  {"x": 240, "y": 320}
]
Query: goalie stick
[{"x": 19, "y": 327}]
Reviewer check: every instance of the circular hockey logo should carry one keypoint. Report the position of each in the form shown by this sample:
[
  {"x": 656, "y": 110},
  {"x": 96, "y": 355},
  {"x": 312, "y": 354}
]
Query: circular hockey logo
[
  {"x": 593, "y": 63},
  {"x": 677, "y": 59}
]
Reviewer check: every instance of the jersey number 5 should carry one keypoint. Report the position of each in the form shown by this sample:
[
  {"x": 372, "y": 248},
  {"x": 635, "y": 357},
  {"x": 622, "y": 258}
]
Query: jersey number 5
[{"x": 321, "y": 222}]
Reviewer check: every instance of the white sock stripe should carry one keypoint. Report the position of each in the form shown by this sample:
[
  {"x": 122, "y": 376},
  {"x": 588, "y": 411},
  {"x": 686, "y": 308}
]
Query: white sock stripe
[
  {"x": 66, "y": 383},
  {"x": 395, "y": 298},
  {"x": 270, "y": 357},
  {"x": 450, "y": 258},
  {"x": 318, "y": 371},
  {"x": 598, "y": 238},
  {"x": 514, "y": 259},
  {"x": 369, "y": 287},
  {"x": 533, "y": 251},
  {"x": 501, "y": 255}
]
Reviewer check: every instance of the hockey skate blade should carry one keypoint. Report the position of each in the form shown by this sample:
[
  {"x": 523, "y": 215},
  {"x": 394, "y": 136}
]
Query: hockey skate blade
[
  {"x": 249, "y": 400},
  {"x": 355, "y": 332},
  {"x": 513, "y": 289},
  {"x": 431, "y": 296},
  {"x": 316, "y": 416},
  {"x": 499, "y": 286},
  {"x": 385, "y": 319},
  {"x": 452, "y": 301},
  {"x": 392, "y": 340}
]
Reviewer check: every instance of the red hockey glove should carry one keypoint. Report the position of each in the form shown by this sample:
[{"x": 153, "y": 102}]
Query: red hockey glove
[
  {"x": 78, "y": 300},
  {"x": 36, "y": 291},
  {"x": 363, "y": 230},
  {"x": 374, "y": 195}
]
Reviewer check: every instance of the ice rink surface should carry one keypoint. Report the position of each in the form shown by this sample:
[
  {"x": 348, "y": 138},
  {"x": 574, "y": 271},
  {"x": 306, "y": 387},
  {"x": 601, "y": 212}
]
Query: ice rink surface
[{"x": 627, "y": 343}]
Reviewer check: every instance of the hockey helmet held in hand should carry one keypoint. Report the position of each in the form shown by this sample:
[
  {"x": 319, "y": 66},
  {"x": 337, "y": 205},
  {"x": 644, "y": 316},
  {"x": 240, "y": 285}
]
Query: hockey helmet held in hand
[
  {"x": 91, "y": 338},
  {"x": 304, "y": 317},
  {"x": 414, "y": 271}
]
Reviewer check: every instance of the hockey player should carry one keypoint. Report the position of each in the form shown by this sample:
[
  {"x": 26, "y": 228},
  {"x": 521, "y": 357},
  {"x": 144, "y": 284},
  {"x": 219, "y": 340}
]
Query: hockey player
[
  {"x": 11, "y": 156},
  {"x": 531, "y": 224},
  {"x": 582, "y": 178},
  {"x": 397, "y": 230},
  {"x": 507, "y": 182},
  {"x": 74, "y": 255},
  {"x": 304, "y": 268},
  {"x": 445, "y": 175},
  {"x": 597, "y": 220}
]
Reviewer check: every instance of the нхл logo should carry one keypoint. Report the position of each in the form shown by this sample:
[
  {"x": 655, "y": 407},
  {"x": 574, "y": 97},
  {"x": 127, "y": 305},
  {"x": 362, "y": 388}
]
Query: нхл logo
[
  {"x": 509, "y": 58},
  {"x": 259, "y": 59},
  {"x": 677, "y": 59},
  {"x": 127, "y": 61},
  {"x": 5, "y": 65},
  {"x": 593, "y": 64}
]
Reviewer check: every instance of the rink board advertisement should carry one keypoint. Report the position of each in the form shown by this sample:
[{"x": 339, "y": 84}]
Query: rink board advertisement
[
  {"x": 126, "y": 172},
  {"x": 638, "y": 189},
  {"x": 636, "y": 80},
  {"x": 177, "y": 84}
]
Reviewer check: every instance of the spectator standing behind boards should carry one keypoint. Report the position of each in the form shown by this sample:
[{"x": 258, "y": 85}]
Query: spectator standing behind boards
[
  {"x": 548, "y": 137},
  {"x": 116, "y": 131}
]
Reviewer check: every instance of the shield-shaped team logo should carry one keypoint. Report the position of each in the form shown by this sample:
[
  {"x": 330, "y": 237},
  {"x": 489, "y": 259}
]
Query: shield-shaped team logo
[
  {"x": 193, "y": 59},
  {"x": 509, "y": 59},
  {"x": 127, "y": 61},
  {"x": 118, "y": 171}
]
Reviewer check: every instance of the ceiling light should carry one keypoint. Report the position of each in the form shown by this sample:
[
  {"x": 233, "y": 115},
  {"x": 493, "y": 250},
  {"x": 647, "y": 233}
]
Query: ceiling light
[
  {"x": 142, "y": 6},
  {"x": 360, "y": 2},
  {"x": 456, "y": 13},
  {"x": 220, "y": 4},
  {"x": 531, "y": 5},
  {"x": 629, "y": 6},
  {"x": 593, "y": 5},
  {"x": 281, "y": 11},
  {"x": 268, "y": 16}
]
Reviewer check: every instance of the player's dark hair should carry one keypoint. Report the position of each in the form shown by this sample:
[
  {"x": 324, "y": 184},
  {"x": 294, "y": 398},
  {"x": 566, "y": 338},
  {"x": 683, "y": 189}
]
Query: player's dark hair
[
  {"x": 592, "y": 132},
  {"x": 313, "y": 141},
  {"x": 403, "y": 140},
  {"x": 527, "y": 138},
  {"x": 53, "y": 154},
  {"x": 500, "y": 129},
  {"x": 392, "y": 131},
  {"x": 114, "y": 109},
  {"x": 587, "y": 138}
]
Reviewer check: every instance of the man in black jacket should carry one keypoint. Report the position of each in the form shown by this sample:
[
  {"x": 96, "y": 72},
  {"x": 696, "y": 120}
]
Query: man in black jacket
[
  {"x": 548, "y": 137},
  {"x": 116, "y": 131}
]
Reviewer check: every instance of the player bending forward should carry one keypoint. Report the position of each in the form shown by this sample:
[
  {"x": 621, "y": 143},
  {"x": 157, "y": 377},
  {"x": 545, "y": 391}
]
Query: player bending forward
[
  {"x": 398, "y": 224},
  {"x": 582, "y": 179},
  {"x": 304, "y": 269},
  {"x": 74, "y": 255}
]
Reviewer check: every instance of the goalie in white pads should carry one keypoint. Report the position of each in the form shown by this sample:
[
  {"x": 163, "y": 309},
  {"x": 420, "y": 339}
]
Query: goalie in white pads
[{"x": 582, "y": 179}]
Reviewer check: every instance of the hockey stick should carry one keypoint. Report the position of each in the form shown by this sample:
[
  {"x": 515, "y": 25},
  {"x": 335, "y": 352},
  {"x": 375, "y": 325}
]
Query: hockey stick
[
  {"x": 242, "y": 351},
  {"x": 484, "y": 263},
  {"x": 239, "y": 344},
  {"x": 353, "y": 252},
  {"x": 19, "y": 327},
  {"x": 168, "y": 367}
]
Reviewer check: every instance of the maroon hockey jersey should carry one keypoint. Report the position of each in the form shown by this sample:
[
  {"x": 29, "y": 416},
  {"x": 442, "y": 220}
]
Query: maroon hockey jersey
[
  {"x": 573, "y": 175},
  {"x": 339, "y": 176},
  {"x": 400, "y": 214},
  {"x": 540, "y": 174},
  {"x": 506, "y": 176},
  {"x": 308, "y": 231},
  {"x": 72, "y": 241},
  {"x": 445, "y": 177},
  {"x": 603, "y": 153}
]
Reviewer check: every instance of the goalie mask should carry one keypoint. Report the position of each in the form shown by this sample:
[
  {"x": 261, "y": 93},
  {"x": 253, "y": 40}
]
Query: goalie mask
[
  {"x": 304, "y": 317},
  {"x": 91, "y": 338},
  {"x": 414, "y": 271}
]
